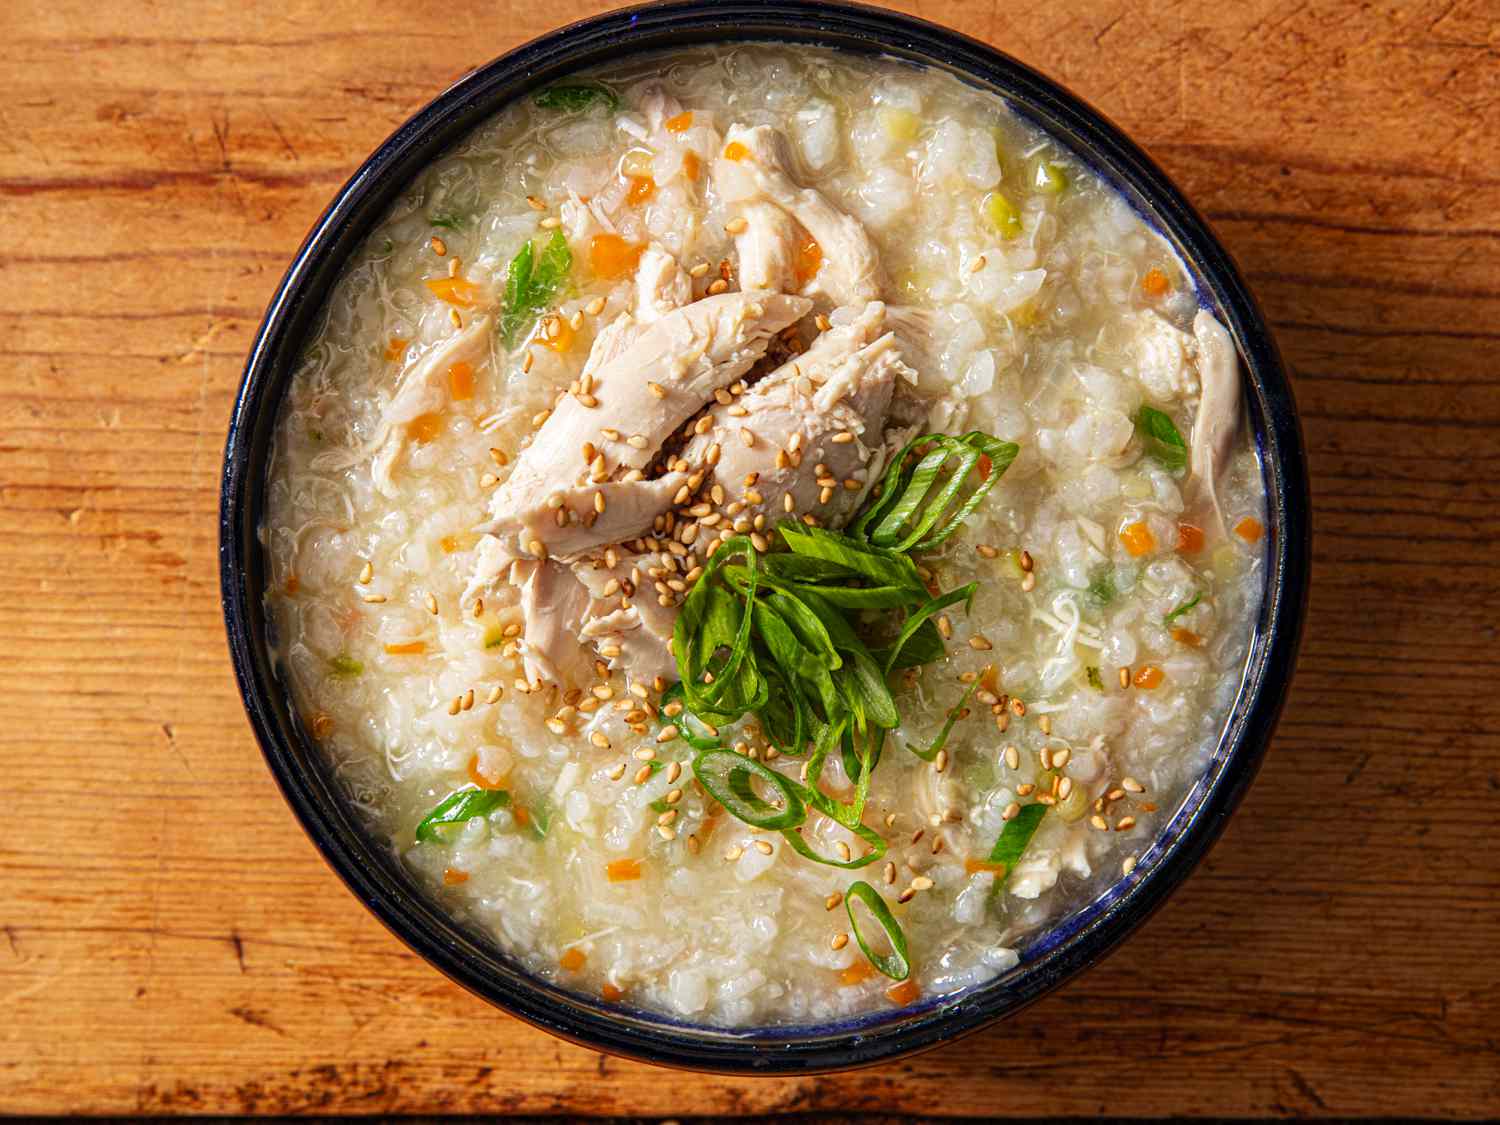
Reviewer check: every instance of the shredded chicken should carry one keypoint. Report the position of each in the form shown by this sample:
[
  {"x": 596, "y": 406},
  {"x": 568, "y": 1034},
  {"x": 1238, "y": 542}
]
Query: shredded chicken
[
  {"x": 767, "y": 248},
  {"x": 1218, "y": 417}
]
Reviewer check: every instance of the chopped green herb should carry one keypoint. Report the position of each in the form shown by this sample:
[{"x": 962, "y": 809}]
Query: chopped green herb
[
  {"x": 1016, "y": 834},
  {"x": 345, "y": 665},
  {"x": 1102, "y": 587},
  {"x": 897, "y": 963},
  {"x": 942, "y": 739},
  {"x": 1162, "y": 440},
  {"x": 539, "y": 819},
  {"x": 445, "y": 219},
  {"x": 1096, "y": 681},
  {"x": 530, "y": 284},
  {"x": 1183, "y": 608},
  {"x": 659, "y": 805},
  {"x": 494, "y": 636},
  {"x": 458, "y": 807},
  {"x": 574, "y": 96}
]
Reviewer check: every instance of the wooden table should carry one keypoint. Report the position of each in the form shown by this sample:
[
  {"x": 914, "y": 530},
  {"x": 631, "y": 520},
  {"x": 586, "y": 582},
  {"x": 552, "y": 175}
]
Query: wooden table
[{"x": 172, "y": 942}]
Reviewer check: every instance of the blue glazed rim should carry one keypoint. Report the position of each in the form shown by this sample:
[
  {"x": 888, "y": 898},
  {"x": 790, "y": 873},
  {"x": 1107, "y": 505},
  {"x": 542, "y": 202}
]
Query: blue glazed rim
[{"x": 367, "y": 866}]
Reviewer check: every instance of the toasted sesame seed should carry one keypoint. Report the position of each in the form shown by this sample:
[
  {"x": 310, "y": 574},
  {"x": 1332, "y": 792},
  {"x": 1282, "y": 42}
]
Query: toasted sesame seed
[
  {"x": 587, "y": 400},
  {"x": 494, "y": 694},
  {"x": 1025, "y": 789},
  {"x": 838, "y": 941},
  {"x": 906, "y": 895},
  {"x": 733, "y": 852},
  {"x": 1124, "y": 677},
  {"x": 1125, "y": 824},
  {"x": 551, "y": 222},
  {"x": 366, "y": 573},
  {"x": 980, "y": 643},
  {"x": 735, "y": 225},
  {"x": 699, "y": 270},
  {"x": 987, "y": 551},
  {"x": 718, "y": 286},
  {"x": 1061, "y": 758},
  {"x": 1017, "y": 708},
  {"x": 536, "y": 204},
  {"x": 455, "y": 704},
  {"x": 921, "y": 883},
  {"x": 372, "y": 599},
  {"x": 1131, "y": 785},
  {"x": 642, "y": 774},
  {"x": 526, "y": 361},
  {"x": 594, "y": 307},
  {"x": 599, "y": 739},
  {"x": 763, "y": 847},
  {"x": 1012, "y": 757},
  {"x": 540, "y": 417},
  {"x": 787, "y": 503},
  {"x": 455, "y": 318},
  {"x": 1128, "y": 865}
]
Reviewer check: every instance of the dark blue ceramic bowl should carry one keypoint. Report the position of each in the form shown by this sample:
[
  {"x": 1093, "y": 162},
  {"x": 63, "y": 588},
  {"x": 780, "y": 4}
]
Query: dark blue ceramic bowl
[{"x": 367, "y": 866}]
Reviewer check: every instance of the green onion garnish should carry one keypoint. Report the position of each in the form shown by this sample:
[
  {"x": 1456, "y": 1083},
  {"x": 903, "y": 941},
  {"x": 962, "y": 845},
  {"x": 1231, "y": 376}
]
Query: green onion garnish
[
  {"x": 345, "y": 665},
  {"x": 914, "y": 511},
  {"x": 530, "y": 284},
  {"x": 574, "y": 96},
  {"x": 730, "y": 779},
  {"x": 1162, "y": 439},
  {"x": 458, "y": 807},
  {"x": 897, "y": 963},
  {"x": 1016, "y": 834},
  {"x": 1183, "y": 608}
]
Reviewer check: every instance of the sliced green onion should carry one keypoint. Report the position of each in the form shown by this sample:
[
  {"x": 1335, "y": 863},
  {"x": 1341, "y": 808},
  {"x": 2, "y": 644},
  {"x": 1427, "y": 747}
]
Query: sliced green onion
[
  {"x": 886, "y": 568},
  {"x": 728, "y": 778},
  {"x": 1162, "y": 439},
  {"x": 931, "y": 752},
  {"x": 1016, "y": 834},
  {"x": 876, "y": 853},
  {"x": 912, "y": 511},
  {"x": 530, "y": 284},
  {"x": 897, "y": 963},
  {"x": 345, "y": 665},
  {"x": 928, "y": 610},
  {"x": 1096, "y": 681},
  {"x": 574, "y": 96},
  {"x": 1183, "y": 608},
  {"x": 458, "y": 807},
  {"x": 693, "y": 730},
  {"x": 539, "y": 819}
]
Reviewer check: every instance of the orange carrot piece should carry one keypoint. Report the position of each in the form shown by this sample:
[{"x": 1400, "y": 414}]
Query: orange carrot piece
[
  {"x": 485, "y": 781},
  {"x": 1155, "y": 283},
  {"x": 458, "y": 291},
  {"x": 406, "y": 648},
  {"x": 293, "y": 584},
  {"x": 735, "y": 151},
  {"x": 1189, "y": 538},
  {"x": 1138, "y": 539},
  {"x": 809, "y": 260},
  {"x": 1249, "y": 529},
  {"x": 610, "y": 992},
  {"x": 572, "y": 960},
  {"x": 556, "y": 334},
  {"x": 425, "y": 427},
  {"x": 860, "y": 970},
  {"x": 903, "y": 993},
  {"x": 641, "y": 189},
  {"x": 611, "y": 256},
  {"x": 461, "y": 381},
  {"x": 690, "y": 166},
  {"x": 397, "y": 345},
  {"x": 1187, "y": 637},
  {"x": 623, "y": 870},
  {"x": 1149, "y": 676},
  {"x": 452, "y": 876},
  {"x": 975, "y": 866},
  {"x": 681, "y": 123}
]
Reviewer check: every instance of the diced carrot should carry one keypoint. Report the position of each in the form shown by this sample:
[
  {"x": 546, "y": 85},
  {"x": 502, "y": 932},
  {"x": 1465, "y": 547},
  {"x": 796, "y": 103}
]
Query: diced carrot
[
  {"x": 458, "y": 291},
  {"x": 1249, "y": 529},
  {"x": 1148, "y": 676},
  {"x": 484, "y": 780},
  {"x": 690, "y": 166},
  {"x": 322, "y": 726},
  {"x": 641, "y": 189},
  {"x": 623, "y": 870},
  {"x": 293, "y": 584},
  {"x": 406, "y": 648},
  {"x": 860, "y": 970},
  {"x": 610, "y": 992},
  {"x": 1187, "y": 637},
  {"x": 611, "y": 256},
  {"x": 397, "y": 345},
  {"x": 556, "y": 334},
  {"x": 809, "y": 260},
  {"x": 975, "y": 866},
  {"x": 1189, "y": 538},
  {"x": 461, "y": 381},
  {"x": 523, "y": 817},
  {"x": 903, "y": 993},
  {"x": 452, "y": 876},
  {"x": 425, "y": 427},
  {"x": 460, "y": 542},
  {"x": 1138, "y": 539},
  {"x": 1155, "y": 283},
  {"x": 986, "y": 466},
  {"x": 735, "y": 151},
  {"x": 572, "y": 960},
  {"x": 681, "y": 123}
]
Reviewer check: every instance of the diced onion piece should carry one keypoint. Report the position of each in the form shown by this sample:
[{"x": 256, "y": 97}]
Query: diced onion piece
[
  {"x": 1049, "y": 178},
  {"x": 461, "y": 381},
  {"x": 1249, "y": 529},
  {"x": 623, "y": 870},
  {"x": 458, "y": 291},
  {"x": 612, "y": 257},
  {"x": 1138, "y": 539}
]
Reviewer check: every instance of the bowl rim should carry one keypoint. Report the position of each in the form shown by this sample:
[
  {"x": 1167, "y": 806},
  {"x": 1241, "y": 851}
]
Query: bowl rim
[{"x": 364, "y": 865}]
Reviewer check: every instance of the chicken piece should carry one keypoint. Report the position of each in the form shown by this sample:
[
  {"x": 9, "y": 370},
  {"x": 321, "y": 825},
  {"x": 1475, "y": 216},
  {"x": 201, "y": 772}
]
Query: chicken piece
[
  {"x": 850, "y": 272},
  {"x": 685, "y": 356},
  {"x": 637, "y": 624},
  {"x": 842, "y": 385},
  {"x": 767, "y": 249},
  {"x": 595, "y": 514},
  {"x": 423, "y": 389},
  {"x": 1218, "y": 417},
  {"x": 661, "y": 285},
  {"x": 554, "y": 604}
]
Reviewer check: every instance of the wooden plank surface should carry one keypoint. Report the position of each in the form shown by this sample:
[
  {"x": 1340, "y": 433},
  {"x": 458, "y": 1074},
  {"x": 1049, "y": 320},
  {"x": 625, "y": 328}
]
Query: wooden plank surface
[{"x": 172, "y": 942}]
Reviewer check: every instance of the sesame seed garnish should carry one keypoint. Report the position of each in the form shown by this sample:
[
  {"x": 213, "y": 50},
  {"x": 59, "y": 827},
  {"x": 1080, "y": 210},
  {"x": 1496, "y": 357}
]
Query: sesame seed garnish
[
  {"x": 733, "y": 852},
  {"x": 1124, "y": 677},
  {"x": 657, "y": 389},
  {"x": 906, "y": 895},
  {"x": 735, "y": 225},
  {"x": 456, "y": 319},
  {"x": 718, "y": 286},
  {"x": 455, "y": 704},
  {"x": 494, "y": 694},
  {"x": 372, "y": 599},
  {"x": 1028, "y": 582},
  {"x": 439, "y": 247},
  {"x": 987, "y": 551},
  {"x": 526, "y": 361},
  {"x": 431, "y": 603},
  {"x": 1131, "y": 785},
  {"x": 838, "y": 941},
  {"x": 700, "y": 270},
  {"x": 747, "y": 438},
  {"x": 636, "y": 441},
  {"x": 366, "y": 573},
  {"x": 587, "y": 400},
  {"x": 1128, "y": 865},
  {"x": 1061, "y": 758},
  {"x": 599, "y": 739},
  {"x": 551, "y": 222},
  {"x": 540, "y": 417},
  {"x": 921, "y": 883},
  {"x": 1125, "y": 824},
  {"x": 536, "y": 204},
  {"x": 763, "y": 847},
  {"x": 617, "y": 773},
  {"x": 980, "y": 643},
  {"x": 642, "y": 774},
  {"x": 1012, "y": 757}
]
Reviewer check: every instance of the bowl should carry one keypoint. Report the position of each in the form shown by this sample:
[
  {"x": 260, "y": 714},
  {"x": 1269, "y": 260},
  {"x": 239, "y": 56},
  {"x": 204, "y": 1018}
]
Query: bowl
[{"x": 369, "y": 869}]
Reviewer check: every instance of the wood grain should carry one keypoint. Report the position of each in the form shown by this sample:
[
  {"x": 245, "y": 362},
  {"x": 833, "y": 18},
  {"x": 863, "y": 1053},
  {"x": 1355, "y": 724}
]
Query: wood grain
[{"x": 172, "y": 943}]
